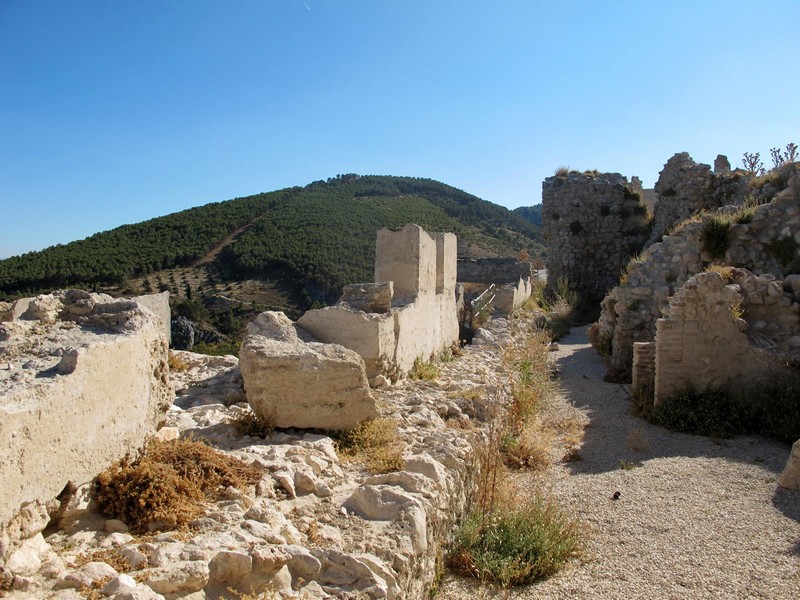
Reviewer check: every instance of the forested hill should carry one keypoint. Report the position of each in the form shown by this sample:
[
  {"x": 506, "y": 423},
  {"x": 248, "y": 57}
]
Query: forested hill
[
  {"x": 318, "y": 237},
  {"x": 531, "y": 213}
]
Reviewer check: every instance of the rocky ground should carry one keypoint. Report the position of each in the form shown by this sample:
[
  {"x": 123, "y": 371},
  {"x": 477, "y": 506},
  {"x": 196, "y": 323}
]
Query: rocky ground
[
  {"x": 315, "y": 526},
  {"x": 694, "y": 518}
]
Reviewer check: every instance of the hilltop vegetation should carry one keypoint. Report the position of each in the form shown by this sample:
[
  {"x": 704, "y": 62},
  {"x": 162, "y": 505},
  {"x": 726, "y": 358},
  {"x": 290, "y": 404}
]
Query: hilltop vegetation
[
  {"x": 314, "y": 239},
  {"x": 131, "y": 250},
  {"x": 325, "y": 236},
  {"x": 531, "y": 213}
]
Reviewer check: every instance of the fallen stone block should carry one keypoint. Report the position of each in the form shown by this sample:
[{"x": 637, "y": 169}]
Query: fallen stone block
[{"x": 290, "y": 382}]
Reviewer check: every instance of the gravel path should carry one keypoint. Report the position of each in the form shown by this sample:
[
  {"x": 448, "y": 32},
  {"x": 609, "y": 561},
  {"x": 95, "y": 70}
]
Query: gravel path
[{"x": 695, "y": 518}]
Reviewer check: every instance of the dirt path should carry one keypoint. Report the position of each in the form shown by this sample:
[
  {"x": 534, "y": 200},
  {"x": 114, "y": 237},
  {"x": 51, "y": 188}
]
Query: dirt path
[
  {"x": 214, "y": 252},
  {"x": 695, "y": 518}
]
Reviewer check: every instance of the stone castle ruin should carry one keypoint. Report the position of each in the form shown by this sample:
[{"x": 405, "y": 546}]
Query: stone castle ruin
[
  {"x": 593, "y": 223},
  {"x": 409, "y": 313},
  {"x": 85, "y": 381},
  {"x": 713, "y": 299}
]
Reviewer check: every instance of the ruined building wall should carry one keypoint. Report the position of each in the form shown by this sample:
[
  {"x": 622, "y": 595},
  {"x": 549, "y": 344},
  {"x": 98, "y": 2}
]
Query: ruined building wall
[
  {"x": 704, "y": 345},
  {"x": 593, "y": 223},
  {"x": 409, "y": 313},
  {"x": 685, "y": 187},
  {"x": 493, "y": 270},
  {"x": 766, "y": 244}
]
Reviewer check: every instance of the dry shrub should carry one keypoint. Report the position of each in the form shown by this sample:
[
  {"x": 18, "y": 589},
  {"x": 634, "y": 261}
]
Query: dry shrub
[
  {"x": 248, "y": 423},
  {"x": 176, "y": 363},
  {"x": 529, "y": 449},
  {"x": 375, "y": 443},
  {"x": 168, "y": 483},
  {"x": 638, "y": 440},
  {"x": 110, "y": 556}
]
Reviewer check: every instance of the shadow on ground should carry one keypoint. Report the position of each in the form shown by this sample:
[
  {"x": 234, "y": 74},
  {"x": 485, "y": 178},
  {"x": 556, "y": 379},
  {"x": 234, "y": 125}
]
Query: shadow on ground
[{"x": 615, "y": 438}]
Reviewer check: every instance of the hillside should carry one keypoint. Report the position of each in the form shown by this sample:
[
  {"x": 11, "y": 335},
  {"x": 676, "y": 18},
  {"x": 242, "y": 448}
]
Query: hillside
[
  {"x": 300, "y": 245},
  {"x": 530, "y": 213}
]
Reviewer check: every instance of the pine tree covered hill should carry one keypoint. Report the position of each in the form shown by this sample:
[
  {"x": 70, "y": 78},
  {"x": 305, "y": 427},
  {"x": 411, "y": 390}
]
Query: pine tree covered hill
[
  {"x": 318, "y": 238},
  {"x": 531, "y": 213}
]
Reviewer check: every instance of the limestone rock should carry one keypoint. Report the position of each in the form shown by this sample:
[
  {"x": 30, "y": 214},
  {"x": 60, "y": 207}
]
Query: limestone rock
[
  {"x": 790, "y": 478},
  {"x": 121, "y": 583},
  {"x": 190, "y": 576},
  {"x": 229, "y": 567},
  {"x": 291, "y": 383},
  {"x": 89, "y": 573}
]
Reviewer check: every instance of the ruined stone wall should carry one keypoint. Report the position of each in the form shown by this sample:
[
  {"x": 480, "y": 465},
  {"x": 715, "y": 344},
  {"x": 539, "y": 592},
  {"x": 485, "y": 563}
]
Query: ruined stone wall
[
  {"x": 703, "y": 344},
  {"x": 83, "y": 381},
  {"x": 593, "y": 223},
  {"x": 510, "y": 297},
  {"x": 421, "y": 319},
  {"x": 766, "y": 243},
  {"x": 685, "y": 187},
  {"x": 493, "y": 270}
]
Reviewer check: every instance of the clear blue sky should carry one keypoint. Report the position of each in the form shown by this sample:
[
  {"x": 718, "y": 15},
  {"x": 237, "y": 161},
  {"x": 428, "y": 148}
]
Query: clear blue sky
[{"x": 113, "y": 112}]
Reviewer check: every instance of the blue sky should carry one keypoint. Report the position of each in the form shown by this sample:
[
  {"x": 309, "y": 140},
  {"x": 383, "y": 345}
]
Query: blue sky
[{"x": 113, "y": 112}]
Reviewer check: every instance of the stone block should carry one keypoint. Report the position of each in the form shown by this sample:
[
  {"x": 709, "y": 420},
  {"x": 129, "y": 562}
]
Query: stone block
[
  {"x": 369, "y": 297},
  {"x": 292, "y": 383},
  {"x": 82, "y": 393}
]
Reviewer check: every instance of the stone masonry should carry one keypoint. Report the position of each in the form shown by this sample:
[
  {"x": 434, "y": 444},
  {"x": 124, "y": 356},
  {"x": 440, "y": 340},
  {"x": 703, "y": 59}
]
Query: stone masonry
[
  {"x": 83, "y": 381},
  {"x": 593, "y": 223},
  {"x": 765, "y": 243},
  {"x": 391, "y": 326}
]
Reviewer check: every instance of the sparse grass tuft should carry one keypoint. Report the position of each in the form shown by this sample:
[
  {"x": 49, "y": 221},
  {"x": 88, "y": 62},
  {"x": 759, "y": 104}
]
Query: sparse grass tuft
[
  {"x": 562, "y": 171},
  {"x": 515, "y": 546},
  {"x": 559, "y": 304},
  {"x": 375, "y": 443},
  {"x": 168, "y": 483},
  {"x": 726, "y": 272},
  {"x": 715, "y": 238},
  {"x": 637, "y": 440},
  {"x": 424, "y": 370}
]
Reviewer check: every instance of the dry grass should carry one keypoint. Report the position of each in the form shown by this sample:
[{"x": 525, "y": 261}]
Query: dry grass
[
  {"x": 176, "y": 363},
  {"x": 507, "y": 539},
  {"x": 110, "y": 556},
  {"x": 726, "y": 272},
  {"x": 375, "y": 443},
  {"x": 248, "y": 423},
  {"x": 638, "y": 440},
  {"x": 166, "y": 486},
  {"x": 424, "y": 370}
]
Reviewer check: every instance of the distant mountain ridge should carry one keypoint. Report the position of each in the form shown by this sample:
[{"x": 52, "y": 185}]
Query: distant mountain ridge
[{"x": 318, "y": 237}]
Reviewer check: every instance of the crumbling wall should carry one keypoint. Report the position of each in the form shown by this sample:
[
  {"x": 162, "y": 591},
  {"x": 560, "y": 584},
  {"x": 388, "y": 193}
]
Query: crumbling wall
[
  {"x": 685, "y": 188},
  {"x": 510, "y": 297},
  {"x": 493, "y": 270},
  {"x": 702, "y": 343},
  {"x": 421, "y": 318},
  {"x": 593, "y": 223},
  {"x": 83, "y": 381},
  {"x": 765, "y": 242}
]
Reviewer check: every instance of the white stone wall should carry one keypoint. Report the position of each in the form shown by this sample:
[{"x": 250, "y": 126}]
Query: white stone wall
[
  {"x": 80, "y": 387},
  {"x": 423, "y": 318}
]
